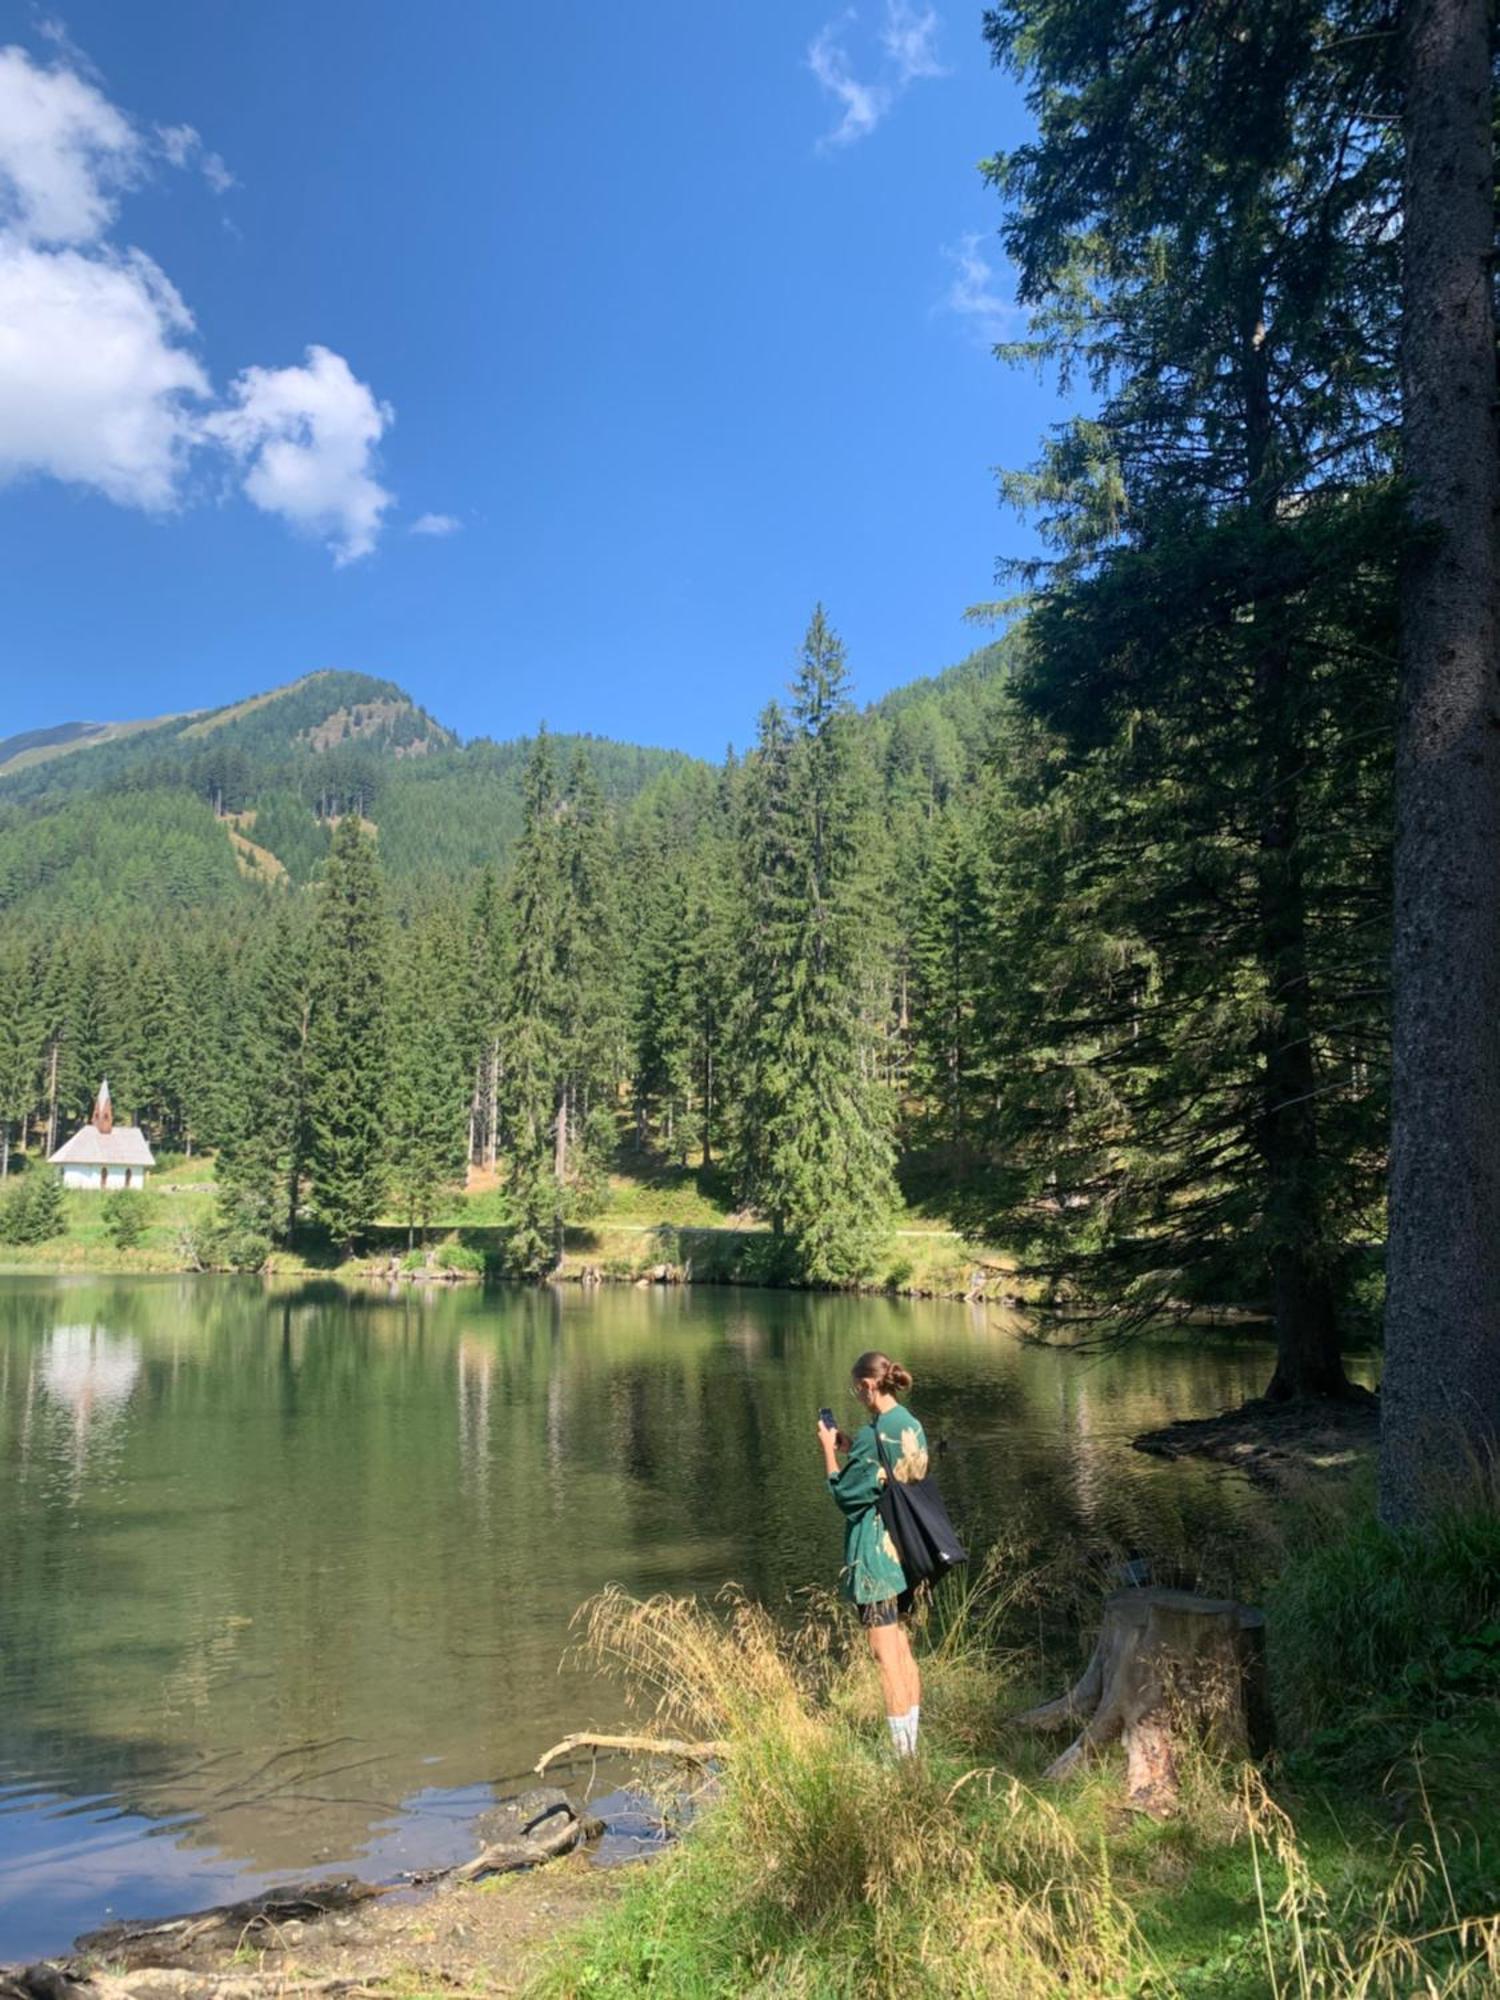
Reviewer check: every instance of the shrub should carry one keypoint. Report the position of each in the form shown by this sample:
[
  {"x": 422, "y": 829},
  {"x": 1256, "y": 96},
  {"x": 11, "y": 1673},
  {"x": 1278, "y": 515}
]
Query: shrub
[
  {"x": 224, "y": 1246},
  {"x": 460, "y": 1257},
  {"x": 125, "y": 1218},
  {"x": 34, "y": 1210},
  {"x": 244, "y": 1250}
]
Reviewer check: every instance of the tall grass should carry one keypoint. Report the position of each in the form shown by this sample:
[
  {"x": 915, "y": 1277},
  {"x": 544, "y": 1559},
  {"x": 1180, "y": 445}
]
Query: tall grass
[
  {"x": 826, "y": 1867},
  {"x": 823, "y": 1867},
  {"x": 1385, "y": 1660}
]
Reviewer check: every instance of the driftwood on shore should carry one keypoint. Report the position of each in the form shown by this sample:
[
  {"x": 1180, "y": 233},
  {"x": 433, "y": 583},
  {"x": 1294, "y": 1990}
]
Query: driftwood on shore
[
  {"x": 1168, "y": 1667},
  {"x": 161, "y": 1940},
  {"x": 523, "y": 1833},
  {"x": 174, "y": 1958}
]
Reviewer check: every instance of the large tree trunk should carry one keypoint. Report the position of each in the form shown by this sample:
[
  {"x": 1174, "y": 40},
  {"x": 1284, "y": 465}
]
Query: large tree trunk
[{"x": 1441, "y": 1390}]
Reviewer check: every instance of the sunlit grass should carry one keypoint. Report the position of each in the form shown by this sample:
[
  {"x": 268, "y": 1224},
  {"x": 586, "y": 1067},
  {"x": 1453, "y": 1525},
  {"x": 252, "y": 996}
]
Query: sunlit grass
[{"x": 825, "y": 1867}]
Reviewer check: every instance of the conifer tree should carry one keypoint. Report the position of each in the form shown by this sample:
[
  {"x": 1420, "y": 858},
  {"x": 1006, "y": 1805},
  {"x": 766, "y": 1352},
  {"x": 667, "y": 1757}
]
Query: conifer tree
[
  {"x": 263, "y": 1091},
  {"x": 535, "y": 1020},
  {"x": 814, "y": 1150},
  {"x": 347, "y": 1051},
  {"x": 590, "y": 976},
  {"x": 1208, "y": 233},
  {"x": 483, "y": 1015},
  {"x": 951, "y": 968},
  {"x": 22, "y": 1036},
  {"x": 428, "y": 1110}
]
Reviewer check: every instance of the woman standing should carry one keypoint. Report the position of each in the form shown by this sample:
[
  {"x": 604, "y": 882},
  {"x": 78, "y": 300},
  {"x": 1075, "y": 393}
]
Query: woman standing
[{"x": 892, "y": 1445}]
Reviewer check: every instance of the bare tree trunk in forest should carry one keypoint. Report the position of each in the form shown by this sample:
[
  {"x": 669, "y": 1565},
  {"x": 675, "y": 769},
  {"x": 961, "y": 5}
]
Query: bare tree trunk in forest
[
  {"x": 708, "y": 1107},
  {"x": 492, "y": 1104},
  {"x": 5, "y": 1150},
  {"x": 52, "y": 1101},
  {"x": 560, "y": 1151},
  {"x": 1440, "y": 1395}
]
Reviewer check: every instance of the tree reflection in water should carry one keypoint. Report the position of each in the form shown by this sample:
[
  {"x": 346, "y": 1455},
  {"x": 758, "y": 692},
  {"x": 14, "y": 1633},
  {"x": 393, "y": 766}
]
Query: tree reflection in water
[{"x": 276, "y": 1560}]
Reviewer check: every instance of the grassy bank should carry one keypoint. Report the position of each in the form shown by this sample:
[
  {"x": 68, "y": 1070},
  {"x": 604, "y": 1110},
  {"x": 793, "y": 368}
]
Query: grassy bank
[
  {"x": 663, "y": 1225},
  {"x": 1364, "y": 1859}
]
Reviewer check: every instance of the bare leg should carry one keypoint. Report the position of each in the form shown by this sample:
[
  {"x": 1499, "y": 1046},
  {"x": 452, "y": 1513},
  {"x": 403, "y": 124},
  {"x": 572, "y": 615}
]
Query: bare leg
[
  {"x": 913, "y": 1674},
  {"x": 893, "y": 1656}
]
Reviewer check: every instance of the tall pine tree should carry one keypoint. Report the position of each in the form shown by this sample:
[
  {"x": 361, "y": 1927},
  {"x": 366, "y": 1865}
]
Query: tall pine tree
[
  {"x": 427, "y": 1126},
  {"x": 814, "y": 1150},
  {"x": 348, "y": 1066}
]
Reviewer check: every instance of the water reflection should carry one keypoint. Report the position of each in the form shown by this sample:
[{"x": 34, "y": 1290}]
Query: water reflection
[{"x": 274, "y": 1563}]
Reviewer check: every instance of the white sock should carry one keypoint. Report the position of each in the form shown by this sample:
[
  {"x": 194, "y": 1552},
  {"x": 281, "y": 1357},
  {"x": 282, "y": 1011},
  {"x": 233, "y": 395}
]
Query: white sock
[
  {"x": 913, "y": 1717},
  {"x": 897, "y": 1724}
]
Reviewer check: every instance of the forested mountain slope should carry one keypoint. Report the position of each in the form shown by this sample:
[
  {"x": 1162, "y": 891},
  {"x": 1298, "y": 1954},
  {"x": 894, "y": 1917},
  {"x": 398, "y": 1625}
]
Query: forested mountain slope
[
  {"x": 183, "y": 811},
  {"x": 115, "y": 848}
]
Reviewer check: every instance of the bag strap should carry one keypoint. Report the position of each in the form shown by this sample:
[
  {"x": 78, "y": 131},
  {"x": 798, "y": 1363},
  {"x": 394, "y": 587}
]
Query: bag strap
[{"x": 879, "y": 1440}]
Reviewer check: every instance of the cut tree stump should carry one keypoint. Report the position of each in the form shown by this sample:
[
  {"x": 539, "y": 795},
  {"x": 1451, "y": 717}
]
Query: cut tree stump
[{"x": 1168, "y": 1666}]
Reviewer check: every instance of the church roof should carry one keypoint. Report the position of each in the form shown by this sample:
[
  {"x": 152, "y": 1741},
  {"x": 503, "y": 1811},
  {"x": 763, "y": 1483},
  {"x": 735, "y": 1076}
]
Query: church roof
[
  {"x": 125, "y": 1146},
  {"x": 101, "y": 1143}
]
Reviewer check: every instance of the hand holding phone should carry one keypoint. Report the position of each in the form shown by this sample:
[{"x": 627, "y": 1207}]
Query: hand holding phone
[{"x": 826, "y": 1419}]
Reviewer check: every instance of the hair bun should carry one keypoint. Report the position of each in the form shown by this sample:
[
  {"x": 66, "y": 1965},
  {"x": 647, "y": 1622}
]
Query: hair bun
[{"x": 889, "y": 1377}]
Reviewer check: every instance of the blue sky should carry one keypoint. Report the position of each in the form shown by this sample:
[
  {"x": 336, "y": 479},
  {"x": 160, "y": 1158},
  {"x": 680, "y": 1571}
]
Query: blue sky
[{"x": 663, "y": 322}]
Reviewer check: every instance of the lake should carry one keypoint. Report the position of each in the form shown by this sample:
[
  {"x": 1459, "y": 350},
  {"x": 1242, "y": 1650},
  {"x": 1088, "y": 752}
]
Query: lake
[{"x": 286, "y": 1573}]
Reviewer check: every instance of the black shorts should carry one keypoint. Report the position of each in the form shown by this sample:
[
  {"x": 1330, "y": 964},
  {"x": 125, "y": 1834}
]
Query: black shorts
[{"x": 889, "y": 1611}]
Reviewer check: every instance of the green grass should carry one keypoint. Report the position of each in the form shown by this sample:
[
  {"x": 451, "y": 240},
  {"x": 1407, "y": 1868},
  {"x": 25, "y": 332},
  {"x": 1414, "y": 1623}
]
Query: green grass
[
  {"x": 652, "y": 1217},
  {"x": 178, "y": 1198},
  {"x": 824, "y": 1868}
]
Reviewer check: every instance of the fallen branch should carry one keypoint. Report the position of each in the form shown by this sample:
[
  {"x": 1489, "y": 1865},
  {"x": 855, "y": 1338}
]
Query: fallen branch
[
  {"x": 637, "y": 1746},
  {"x": 554, "y": 1831}
]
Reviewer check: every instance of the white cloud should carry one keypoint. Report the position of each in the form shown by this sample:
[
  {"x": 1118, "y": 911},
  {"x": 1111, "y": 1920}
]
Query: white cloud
[
  {"x": 99, "y": 383},
  {"x": 214, "y": 171},
  {"x": 435, "y": 524},
  {"x": 864, "y": 104},
  {"x": 95, "y": 386},
  {"x": 306, "y": 438},
  {"x": 65, "y": 152},
  {"x": 974, "y": 293},
  {"x": 906, "y": 39},
  {"x": 183, "y": 146}
]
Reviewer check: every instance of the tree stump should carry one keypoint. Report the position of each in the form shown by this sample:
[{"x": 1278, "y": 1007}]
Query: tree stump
[{"x": 1168, "y": 1666}]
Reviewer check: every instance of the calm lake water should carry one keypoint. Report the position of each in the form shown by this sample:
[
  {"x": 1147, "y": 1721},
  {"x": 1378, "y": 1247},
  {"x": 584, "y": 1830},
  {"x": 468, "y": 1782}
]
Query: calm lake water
[{"x": 286, "y": 1574}]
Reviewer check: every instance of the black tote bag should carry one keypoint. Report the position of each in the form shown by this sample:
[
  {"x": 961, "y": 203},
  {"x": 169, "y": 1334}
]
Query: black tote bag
[{"x": 917, "y": 1522}]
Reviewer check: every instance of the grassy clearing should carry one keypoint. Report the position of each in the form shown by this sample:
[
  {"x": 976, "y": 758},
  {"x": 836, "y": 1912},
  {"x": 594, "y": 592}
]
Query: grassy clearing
[
  {"x": 650, "y": 1222},
  {"x": 179, "y": 1198},
  {"x": 826, "y": 1868}
]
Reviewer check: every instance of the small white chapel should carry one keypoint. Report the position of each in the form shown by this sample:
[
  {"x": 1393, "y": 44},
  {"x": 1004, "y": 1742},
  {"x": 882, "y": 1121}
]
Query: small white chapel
[{"x": 102, "y": 1155}]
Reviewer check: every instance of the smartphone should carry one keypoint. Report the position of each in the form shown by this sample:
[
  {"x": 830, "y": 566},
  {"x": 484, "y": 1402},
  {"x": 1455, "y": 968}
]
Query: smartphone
[{"x": 826, "y": 1415}]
